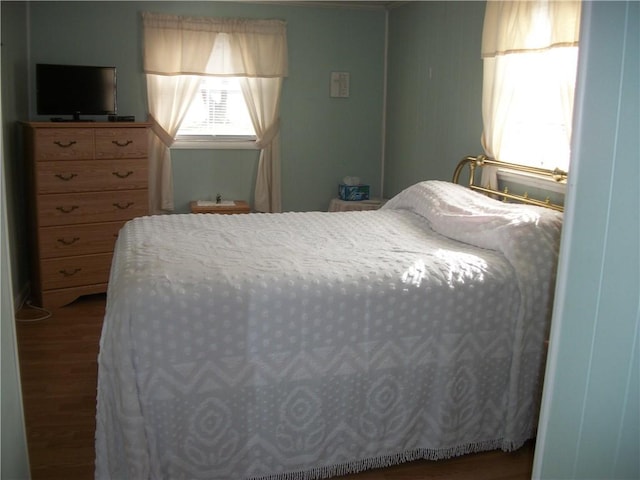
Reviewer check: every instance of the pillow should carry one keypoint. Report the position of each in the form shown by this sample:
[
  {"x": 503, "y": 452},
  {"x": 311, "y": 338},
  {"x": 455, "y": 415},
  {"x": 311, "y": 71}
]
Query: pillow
[{"x": 471, "y": 217}]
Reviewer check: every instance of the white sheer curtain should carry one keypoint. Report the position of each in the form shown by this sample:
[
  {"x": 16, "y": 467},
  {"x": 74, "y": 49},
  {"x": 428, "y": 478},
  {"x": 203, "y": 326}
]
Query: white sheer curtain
[
  {"x": 263, "y": 100},
  {"x": 262, "y": 95},
  {"x": 529, "y": 52},
  {"x": 169, "y": 99},
  {"x": 179, "y": 49}
]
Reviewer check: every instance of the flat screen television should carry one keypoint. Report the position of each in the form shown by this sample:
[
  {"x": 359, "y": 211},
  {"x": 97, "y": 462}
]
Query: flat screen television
[{"x": 75, "y": 90}]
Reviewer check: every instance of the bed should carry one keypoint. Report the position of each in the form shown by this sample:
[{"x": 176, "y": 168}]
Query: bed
[{"x": 310, "y": 345}]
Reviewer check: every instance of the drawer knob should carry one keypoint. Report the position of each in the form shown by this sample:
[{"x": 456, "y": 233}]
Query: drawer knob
[
  {"x": 67, "y": 209},
  {"x": 122, "y": 175},
  {"x": 65, "y": 145},
  {"x": 64, "y": 241},
  {"x": 121, "y": 144},
  {"x": 66, "y": 176},
  {"x": 71, "y": 273},
  {"x": 123, "y": 206}
]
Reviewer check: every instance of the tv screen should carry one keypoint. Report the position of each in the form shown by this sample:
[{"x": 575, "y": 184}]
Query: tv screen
[{"x": 75, "y": 90}]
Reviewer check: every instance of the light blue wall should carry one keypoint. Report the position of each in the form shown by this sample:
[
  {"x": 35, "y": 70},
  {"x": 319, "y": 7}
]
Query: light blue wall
[
  {"x": 13, "y": 442},
  {"x": 13, "y": 105},
  {"x": 14, "y": 109},
  {"x": 590, "y": 425},
  {"x": 590, "y": 422},
  {"x": 434, "y": 100},
  {"x": 322, "y": 138}
]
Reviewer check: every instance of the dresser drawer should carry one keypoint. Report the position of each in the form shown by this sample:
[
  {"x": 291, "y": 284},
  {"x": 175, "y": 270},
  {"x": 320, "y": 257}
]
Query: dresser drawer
[
  {"x": 63, "y": 143},
  {"x": 71, "y": 240},
  {"x": 91, "y": 175},
  {"x": 75, "y": 208},
  {"x": 75, "y": 271},
  {"x": 121, "y": 142},
  {"x": 86, "y": 179}
]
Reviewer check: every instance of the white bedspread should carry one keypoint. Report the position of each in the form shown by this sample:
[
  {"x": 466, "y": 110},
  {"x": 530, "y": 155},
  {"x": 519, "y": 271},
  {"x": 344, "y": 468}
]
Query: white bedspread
[{"x": 305, "y": 345}]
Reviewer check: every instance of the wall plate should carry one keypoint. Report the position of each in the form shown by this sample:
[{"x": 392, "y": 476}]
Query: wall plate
[{"x": 340, "y": 84}]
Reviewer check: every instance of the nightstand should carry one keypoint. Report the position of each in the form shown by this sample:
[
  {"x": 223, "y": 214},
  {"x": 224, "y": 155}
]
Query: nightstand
[
  {"x": 224, "y": 208},
  {"x": 337, "y": 205}
]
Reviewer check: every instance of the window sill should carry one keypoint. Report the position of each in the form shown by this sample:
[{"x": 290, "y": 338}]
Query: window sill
[
  {"x": 530, "y": 180},
  {"x": 214, "y": 145}
]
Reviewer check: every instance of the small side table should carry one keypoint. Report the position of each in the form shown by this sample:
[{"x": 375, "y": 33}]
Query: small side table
[
  {"x": 337, "y": 205},
  {"x": 224, "y": 208}
]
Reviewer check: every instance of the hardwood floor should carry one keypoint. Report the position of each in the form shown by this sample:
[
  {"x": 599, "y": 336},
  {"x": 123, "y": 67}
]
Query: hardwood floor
[{"x": 58, "y": 362}]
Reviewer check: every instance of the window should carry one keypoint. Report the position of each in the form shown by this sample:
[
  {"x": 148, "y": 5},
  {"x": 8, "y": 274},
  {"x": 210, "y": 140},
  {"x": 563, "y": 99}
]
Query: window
[
  {"x": 178, "y": 53},
  {"x": 530, "y": 54},
  {"x": 218, "y": 113},
  {"x": 537, "y": 129}
]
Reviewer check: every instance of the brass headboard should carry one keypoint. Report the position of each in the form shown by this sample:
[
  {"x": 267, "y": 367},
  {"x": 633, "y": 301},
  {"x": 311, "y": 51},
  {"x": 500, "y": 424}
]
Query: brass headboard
[{"x": 481, "y": 161}]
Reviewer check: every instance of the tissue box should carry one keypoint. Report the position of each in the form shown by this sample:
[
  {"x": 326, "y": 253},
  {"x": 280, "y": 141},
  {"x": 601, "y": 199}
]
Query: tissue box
[{"x": 353, "y": 192}]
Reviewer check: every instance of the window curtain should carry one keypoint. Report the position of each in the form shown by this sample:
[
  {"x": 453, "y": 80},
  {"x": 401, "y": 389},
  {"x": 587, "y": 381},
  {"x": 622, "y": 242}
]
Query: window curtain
[
  {"x": 263, "y": 100},
  {"x": 529, "y": 52},
  {"x": 177, "y": 51},
  {"x": 168, "y": 99}
]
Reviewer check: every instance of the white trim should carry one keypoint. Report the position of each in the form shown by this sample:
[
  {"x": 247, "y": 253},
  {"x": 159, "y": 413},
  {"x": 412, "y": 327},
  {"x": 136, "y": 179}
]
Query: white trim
[
  {"x": 344, "y": 4},
  {"x": 214, "y": 145},
  {"x": 385, "y": 68},
  {"x": 531, "y": 180},
  {"x": 564, "y": 255}
]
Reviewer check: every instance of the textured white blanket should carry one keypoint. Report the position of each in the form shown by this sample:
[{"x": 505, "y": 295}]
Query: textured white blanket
[{"x": 305, "y": 345}]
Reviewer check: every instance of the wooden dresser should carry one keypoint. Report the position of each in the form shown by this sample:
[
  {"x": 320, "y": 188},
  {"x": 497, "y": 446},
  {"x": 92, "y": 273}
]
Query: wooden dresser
[{"x": 86, "y": 180}]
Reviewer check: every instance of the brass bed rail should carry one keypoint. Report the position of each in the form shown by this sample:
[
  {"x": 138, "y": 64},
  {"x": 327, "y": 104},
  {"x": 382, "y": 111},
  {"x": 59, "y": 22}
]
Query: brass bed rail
[{"x": 481, "y": 161}]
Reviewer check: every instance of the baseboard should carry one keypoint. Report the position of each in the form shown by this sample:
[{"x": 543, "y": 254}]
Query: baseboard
[{"x": 21, "y": 297}]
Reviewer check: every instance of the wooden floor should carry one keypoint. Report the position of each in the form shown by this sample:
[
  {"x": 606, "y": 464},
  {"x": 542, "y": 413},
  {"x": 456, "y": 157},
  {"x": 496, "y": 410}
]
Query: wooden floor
[{"x": 59, "y": 369}]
